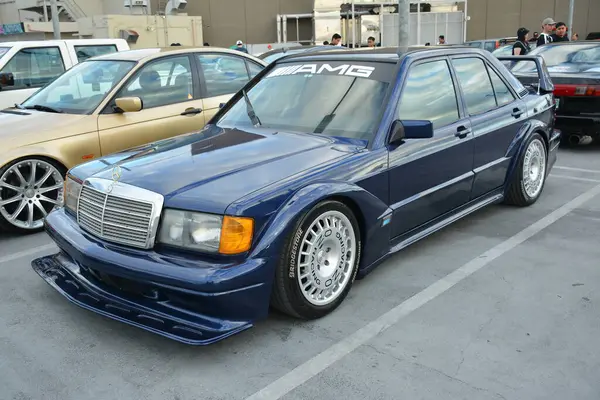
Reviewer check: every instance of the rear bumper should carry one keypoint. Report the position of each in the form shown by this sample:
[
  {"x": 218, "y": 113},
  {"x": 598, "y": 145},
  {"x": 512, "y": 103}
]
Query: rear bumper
[
  {"x": 578, "y": 125},
  {"x": 185, "y": 300}
]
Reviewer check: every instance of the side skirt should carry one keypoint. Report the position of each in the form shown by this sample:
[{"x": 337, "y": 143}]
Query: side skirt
[{"x": 433, "y": 226}]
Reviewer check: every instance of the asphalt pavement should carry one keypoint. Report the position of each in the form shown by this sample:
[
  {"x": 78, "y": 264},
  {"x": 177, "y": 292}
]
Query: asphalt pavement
[{"x": 502, "y": 305}]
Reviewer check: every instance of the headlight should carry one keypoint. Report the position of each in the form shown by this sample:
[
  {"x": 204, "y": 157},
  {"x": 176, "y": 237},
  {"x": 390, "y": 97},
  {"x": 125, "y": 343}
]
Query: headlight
[
  {"x": 72, "y": 191},
  {"x": 206, "y": 232}
]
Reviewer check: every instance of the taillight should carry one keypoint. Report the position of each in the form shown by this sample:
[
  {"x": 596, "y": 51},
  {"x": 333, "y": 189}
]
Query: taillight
[{"x": 576, "y": 90}]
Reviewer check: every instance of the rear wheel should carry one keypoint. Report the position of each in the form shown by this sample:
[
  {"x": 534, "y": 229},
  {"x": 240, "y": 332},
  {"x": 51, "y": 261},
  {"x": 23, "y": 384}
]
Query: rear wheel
[
  {"x": 530, "y": 177},
  {"x": 319, "y": 263},
  {"x": 29, "y": 190}
]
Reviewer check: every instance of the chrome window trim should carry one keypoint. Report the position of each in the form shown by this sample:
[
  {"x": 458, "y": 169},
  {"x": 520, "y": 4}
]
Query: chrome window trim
[{"x": 128, "y": 192}]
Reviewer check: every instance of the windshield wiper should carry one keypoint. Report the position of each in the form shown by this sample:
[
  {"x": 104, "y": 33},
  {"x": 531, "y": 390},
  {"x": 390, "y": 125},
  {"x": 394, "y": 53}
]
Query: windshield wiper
[
  {"x": 39, "y": 107},
  {"x": 250, "y": 110},
  {"x": 20, "y": 107}
]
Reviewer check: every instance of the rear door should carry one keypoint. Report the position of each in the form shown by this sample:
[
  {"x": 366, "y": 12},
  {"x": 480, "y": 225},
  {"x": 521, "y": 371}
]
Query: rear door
[
  {"x": 430, "y": 177},
  {"x": 496, "y": 116},
  {"x": 169, "y": 90},
  {"x": 223, "y": 75}
]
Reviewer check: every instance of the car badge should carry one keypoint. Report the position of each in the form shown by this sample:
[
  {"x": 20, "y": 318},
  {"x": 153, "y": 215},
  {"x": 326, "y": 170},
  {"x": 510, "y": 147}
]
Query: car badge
[{"x": 116, "y": 175}]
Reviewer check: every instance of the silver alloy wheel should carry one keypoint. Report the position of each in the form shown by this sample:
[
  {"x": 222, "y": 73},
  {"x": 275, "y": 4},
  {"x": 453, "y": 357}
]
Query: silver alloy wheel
[
  {"x": 534, "y": 168},
  {"x": 327, "y": 257},
  {"x": 29, "y": 190}
]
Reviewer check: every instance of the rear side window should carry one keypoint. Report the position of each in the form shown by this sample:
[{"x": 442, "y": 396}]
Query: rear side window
[
  {"x": 429, "y": 94},
  {"x": 503, "y": 93},
  {"x": 475, "y": 84},
  {"x": 223, "y": 74},
  {"x": 85, "y": 52},
  {"x": 35, "y": 67}
]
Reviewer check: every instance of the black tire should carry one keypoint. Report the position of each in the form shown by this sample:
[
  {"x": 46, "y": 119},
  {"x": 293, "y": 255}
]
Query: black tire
[
  {"x": 4, "y": 224},
  {"x": 516, "y": 193},
  {"x": 287, "y": 295}
]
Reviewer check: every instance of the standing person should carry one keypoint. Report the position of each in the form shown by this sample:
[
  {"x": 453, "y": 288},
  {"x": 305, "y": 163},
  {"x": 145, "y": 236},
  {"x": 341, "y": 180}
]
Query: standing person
[
  {"x": 441, "y": 39},
  {"x": 239, "y": 45},
  {"x": 536, "y": 36},
  {"x": 336, "y": 39},
  {"x": 547, "y": 28},
  {"x": 561, "y": 33},
  {"x": 371, "y": 41},
  {"x": 575, "y": 37},
  {"x": 521, "y": 46}
]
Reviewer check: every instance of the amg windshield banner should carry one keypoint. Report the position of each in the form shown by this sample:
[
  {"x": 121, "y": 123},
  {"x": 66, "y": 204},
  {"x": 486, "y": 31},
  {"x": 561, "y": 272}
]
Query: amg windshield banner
[{"x": 370, "y": 70}]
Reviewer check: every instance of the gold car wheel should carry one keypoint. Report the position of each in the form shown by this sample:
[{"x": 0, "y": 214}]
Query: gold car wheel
[{"x": 29, "y": 190}]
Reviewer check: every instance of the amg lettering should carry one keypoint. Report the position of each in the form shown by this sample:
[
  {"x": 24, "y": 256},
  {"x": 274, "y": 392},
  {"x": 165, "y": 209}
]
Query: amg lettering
[
  {"x": 360, "y": 71},
  {"x": 308, "y": 68},
  {"x": 341, "y": 68}
]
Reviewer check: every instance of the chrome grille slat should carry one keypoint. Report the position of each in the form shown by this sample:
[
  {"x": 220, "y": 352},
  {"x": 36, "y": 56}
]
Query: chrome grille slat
[{"x": 116, "y": 217}]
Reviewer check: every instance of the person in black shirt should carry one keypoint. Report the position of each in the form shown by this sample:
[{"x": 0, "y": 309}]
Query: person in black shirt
[
  {"x": 561, "y": 33},
  {"x": 548, "y": 27},
  {"x": 521, "y": 46}
]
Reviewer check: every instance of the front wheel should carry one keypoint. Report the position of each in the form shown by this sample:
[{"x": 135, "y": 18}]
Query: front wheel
[
  {"x": 530, "y": 176},
  {"x": 29, "y": 190},
  {"x": 319, "y": 262}
]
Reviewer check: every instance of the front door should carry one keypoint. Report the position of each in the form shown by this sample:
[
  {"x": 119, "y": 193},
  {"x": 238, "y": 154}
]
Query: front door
[
  {"x": 430, "y": 177},
  {"x": 171, "y": 106},
  {"x": 496, "y": 118}
]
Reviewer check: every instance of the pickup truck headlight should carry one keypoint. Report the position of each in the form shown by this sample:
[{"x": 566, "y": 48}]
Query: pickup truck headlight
[
  {"x": 71, "y": 193},
  {"x": 206, "y": 232}
]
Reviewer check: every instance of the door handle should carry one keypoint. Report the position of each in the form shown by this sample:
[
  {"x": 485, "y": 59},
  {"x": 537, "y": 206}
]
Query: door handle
[
  {"x": 462, "y": 132},
  {"x": 517, "y": 112},
  {"x": 192, "y": 111}
]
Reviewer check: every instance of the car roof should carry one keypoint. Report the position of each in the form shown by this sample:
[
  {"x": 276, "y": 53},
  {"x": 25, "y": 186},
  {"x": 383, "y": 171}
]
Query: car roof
[
  {"x": 143, "y": 55},
  {"x": 385, "y": 54}
]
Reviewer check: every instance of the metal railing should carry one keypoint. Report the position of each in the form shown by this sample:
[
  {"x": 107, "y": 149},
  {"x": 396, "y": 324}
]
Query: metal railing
[{"x": 73, "y": 9}]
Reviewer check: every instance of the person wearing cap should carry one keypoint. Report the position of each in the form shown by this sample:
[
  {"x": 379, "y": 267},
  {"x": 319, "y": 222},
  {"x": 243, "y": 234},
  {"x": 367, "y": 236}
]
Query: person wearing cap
[
  {"x": 521, "y": 46},
  {"x": 239, "y": 45},
  {"x": 547, "y": 28},
  {"x": 560, "y": 35}
]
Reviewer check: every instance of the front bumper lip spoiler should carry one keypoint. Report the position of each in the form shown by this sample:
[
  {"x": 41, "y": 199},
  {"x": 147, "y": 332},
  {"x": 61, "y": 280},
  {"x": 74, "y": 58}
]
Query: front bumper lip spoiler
[{"x": 64, "y": 276}]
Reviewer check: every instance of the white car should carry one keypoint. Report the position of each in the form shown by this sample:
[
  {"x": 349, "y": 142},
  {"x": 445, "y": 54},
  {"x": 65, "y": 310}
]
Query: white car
[{"x": 27, "y": 66}]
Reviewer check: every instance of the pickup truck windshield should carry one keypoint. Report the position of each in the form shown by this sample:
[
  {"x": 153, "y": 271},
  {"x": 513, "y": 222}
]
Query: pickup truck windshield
[
  {"x": 81, "y": 89},
  {"x": 334, "y": 99}
]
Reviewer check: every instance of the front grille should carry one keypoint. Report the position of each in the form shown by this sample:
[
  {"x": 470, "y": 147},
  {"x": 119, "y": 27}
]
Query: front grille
[{"x": 115, "y": 218}]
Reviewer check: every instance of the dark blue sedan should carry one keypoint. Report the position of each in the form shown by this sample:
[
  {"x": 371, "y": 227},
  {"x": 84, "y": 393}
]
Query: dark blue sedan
[{"x": 320, "y": 168}]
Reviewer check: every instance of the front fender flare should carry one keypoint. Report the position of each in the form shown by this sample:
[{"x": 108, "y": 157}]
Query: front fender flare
[{"x": 371, "y": 208}]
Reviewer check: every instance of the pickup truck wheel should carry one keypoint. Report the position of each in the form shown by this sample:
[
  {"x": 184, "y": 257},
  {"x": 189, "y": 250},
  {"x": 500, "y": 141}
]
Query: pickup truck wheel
[
  {"x": 319, "y": 262},
  {"x": 530, "y": 177},
  {"x": 29, "y": 189}
]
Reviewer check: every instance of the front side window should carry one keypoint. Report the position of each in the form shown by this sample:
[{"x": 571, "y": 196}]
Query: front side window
[
  {"x": 429, "y": 95},
  {"x": 163, "y": 82},
  {"x": 333, "y": 99},
  {"x": 475, "y": 84},
  {"x": 82, "y": 88},
  {"x": 89, "y": 51},
  {"x": 223, "y": 74},
  {"x": 35, "y": 67}
]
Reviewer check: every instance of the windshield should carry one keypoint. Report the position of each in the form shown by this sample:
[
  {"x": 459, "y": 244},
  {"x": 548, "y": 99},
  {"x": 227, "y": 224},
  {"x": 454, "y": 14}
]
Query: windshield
[
  {"x": 333, "y": 99},
  {"x": 572, "y": 58},
  {"x": 3, "y": 51},
  {"x": 82, "y": 88}
]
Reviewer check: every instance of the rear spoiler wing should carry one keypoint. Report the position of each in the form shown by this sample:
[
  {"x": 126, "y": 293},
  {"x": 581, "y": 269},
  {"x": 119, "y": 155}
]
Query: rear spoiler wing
[{"x": 543, "y": 83}]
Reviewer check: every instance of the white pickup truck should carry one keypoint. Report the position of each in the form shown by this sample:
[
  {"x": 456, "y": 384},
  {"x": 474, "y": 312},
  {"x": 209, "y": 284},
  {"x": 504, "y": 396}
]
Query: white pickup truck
[{"x": 27, "y": 66}]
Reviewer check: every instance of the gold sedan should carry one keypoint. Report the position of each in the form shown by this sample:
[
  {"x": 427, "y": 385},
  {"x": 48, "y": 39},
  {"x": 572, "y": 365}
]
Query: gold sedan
[{"x": 104, "y": 105}]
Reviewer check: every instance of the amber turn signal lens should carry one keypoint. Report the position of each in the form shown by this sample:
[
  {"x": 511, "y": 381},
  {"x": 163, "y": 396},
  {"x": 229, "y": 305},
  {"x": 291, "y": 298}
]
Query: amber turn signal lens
[{"x": 236, "y": 235}]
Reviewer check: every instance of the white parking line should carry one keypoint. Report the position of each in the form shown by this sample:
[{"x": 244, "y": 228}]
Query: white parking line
[
  {"x": 575, "y": 178},
  {"x": 591, "y": 171},
  {"x": 320, "y": 362},
  {"x": 26, "y": 253}
]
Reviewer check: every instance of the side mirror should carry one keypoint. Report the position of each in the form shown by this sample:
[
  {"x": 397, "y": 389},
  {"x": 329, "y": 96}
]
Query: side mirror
[
  {"x": 410, "y": 129},
  {"x": 7, "y": 79},
  {"x": 128, "y": 104}
]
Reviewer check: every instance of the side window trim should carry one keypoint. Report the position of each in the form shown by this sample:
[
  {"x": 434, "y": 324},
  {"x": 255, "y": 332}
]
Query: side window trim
[
  {"x": 62, "y": 60},
  {"x": 476, "y": 56},
  {"x": 458, "y": 95},
  {"x": 107, "y": 109}
]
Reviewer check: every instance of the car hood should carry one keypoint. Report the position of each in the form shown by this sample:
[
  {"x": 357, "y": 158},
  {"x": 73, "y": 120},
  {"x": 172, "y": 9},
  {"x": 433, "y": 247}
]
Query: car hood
[
  {"x": 208, "y": 170},
  {"x": 31, "y": 126}
]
